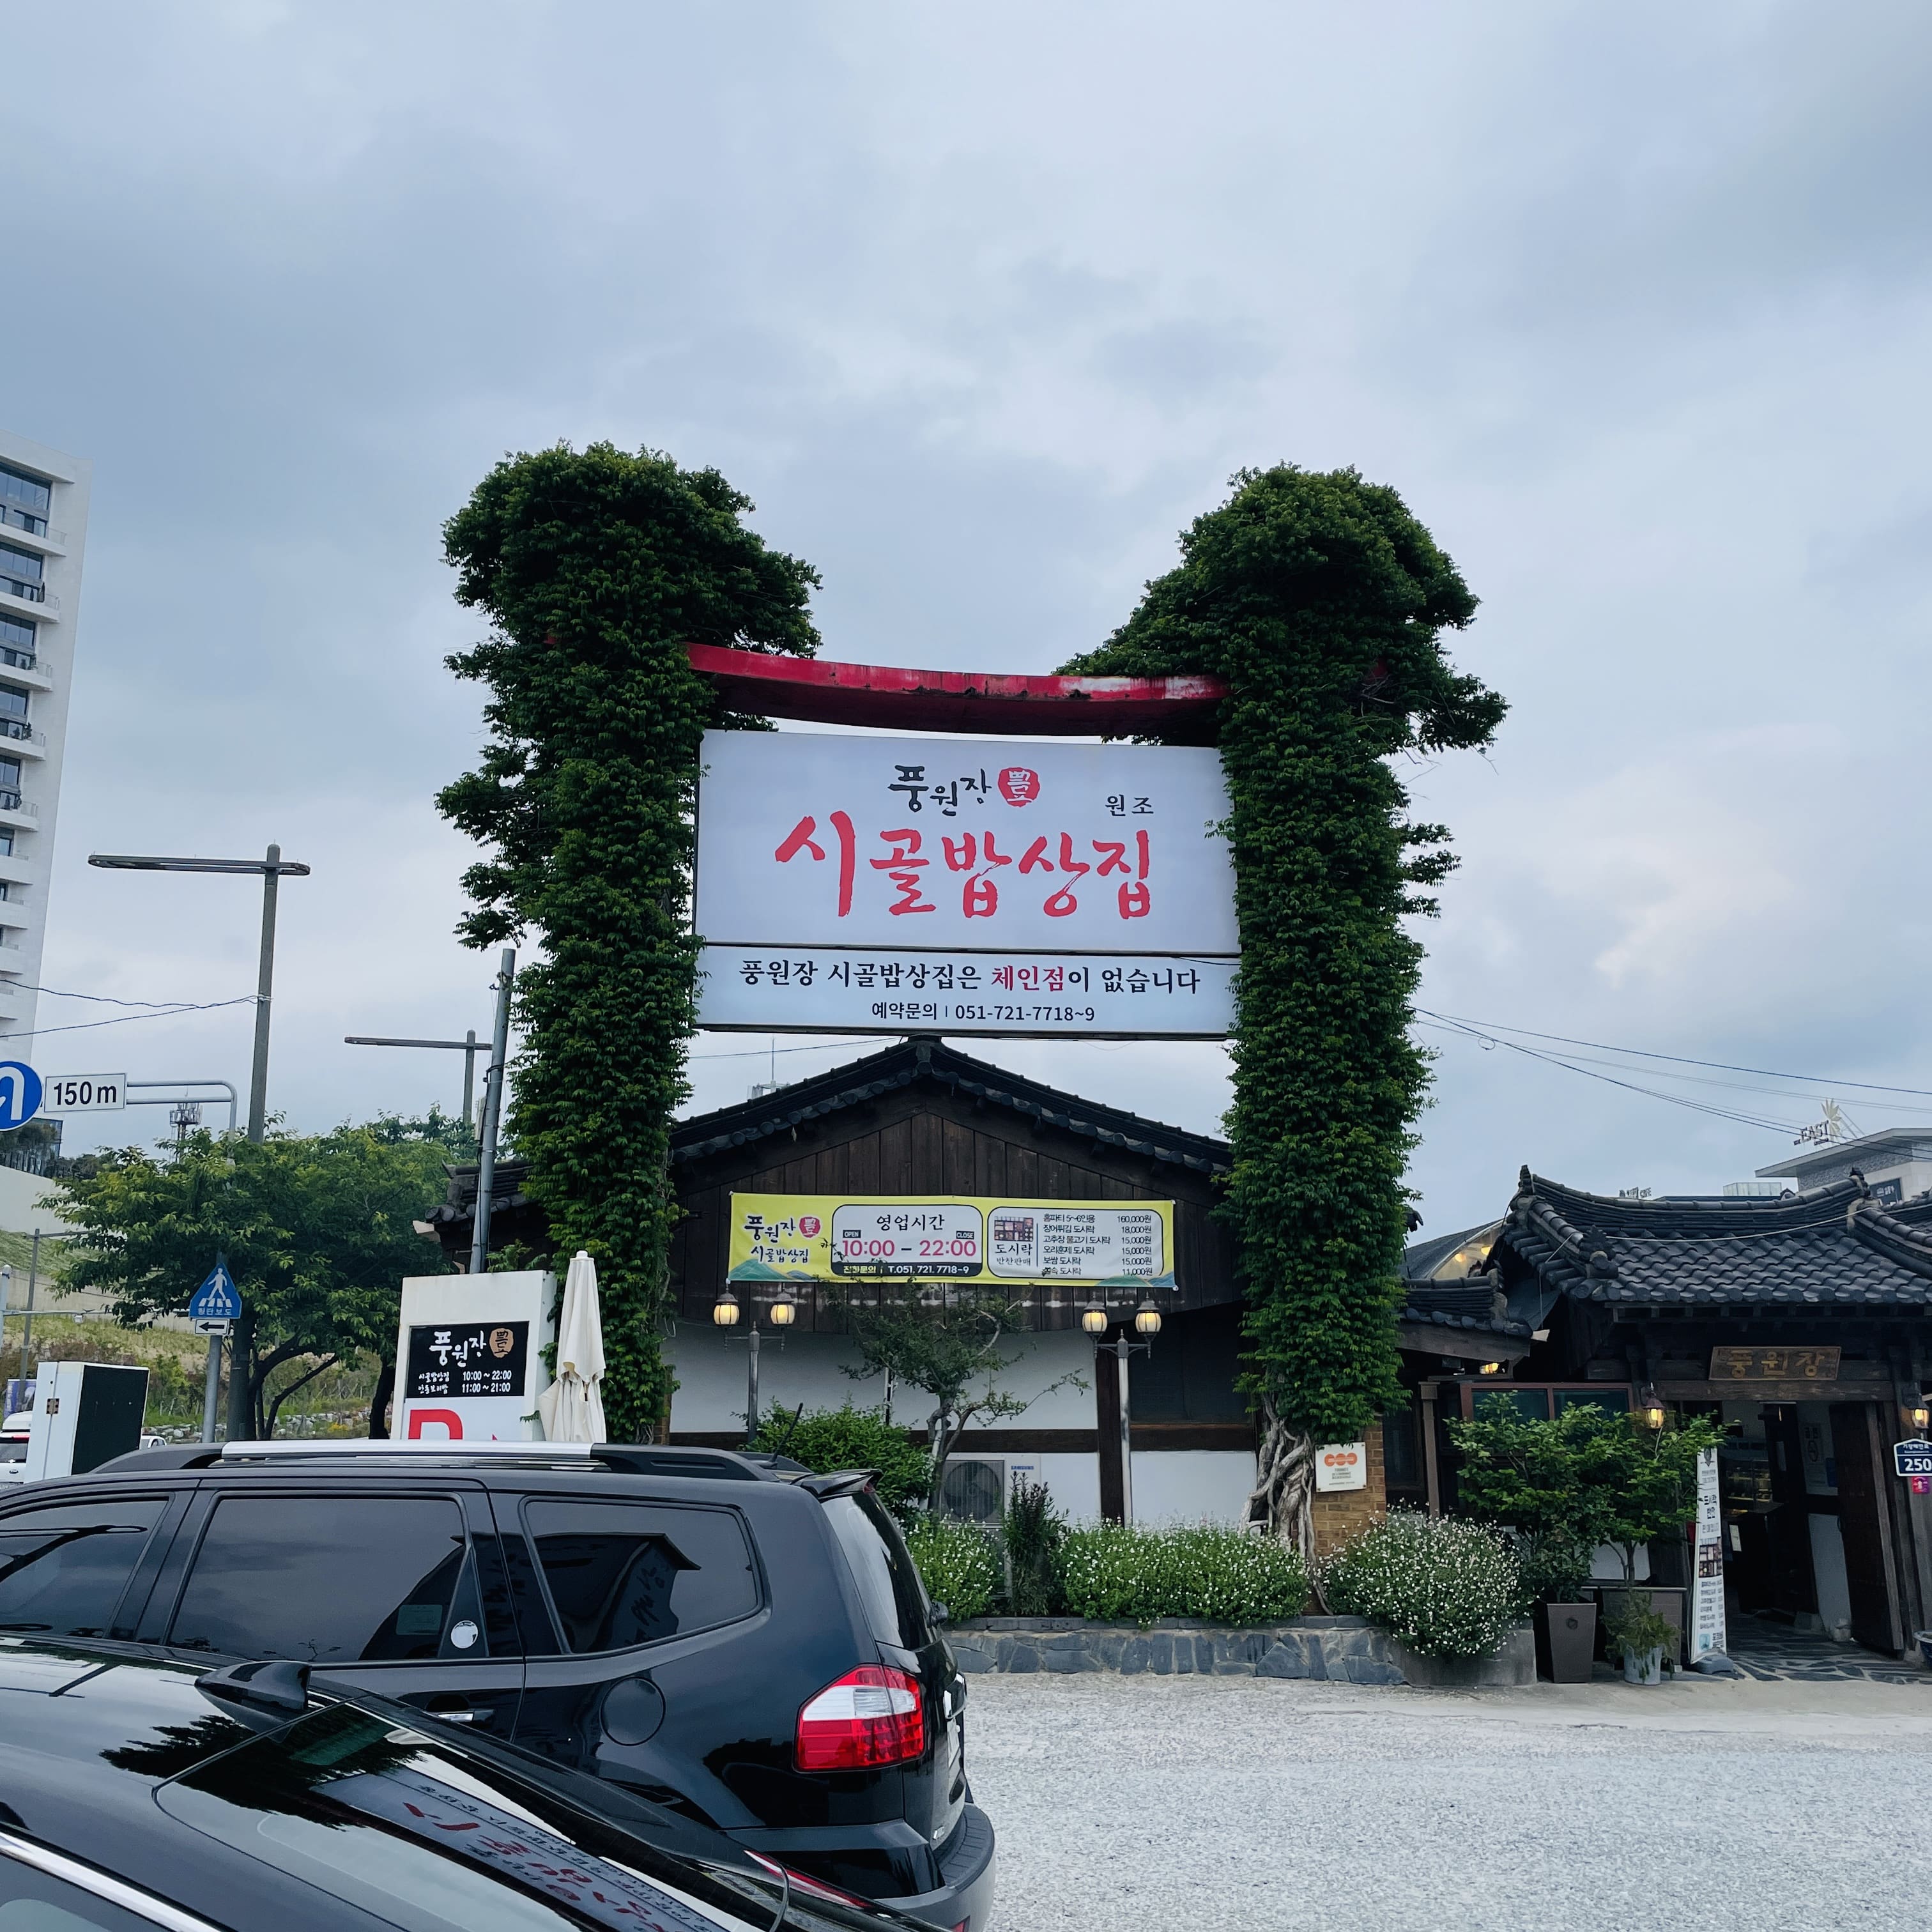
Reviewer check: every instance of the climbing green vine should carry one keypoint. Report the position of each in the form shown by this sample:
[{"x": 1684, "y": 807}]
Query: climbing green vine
[
  {"x": 594, "y": 569},
  {"x": 1321, "y": 601}
]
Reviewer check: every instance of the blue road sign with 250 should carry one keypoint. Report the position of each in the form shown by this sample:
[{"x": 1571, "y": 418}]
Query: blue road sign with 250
[
  {"x": 1913, "y": 1458},
  {"x": 216, "y": 1300},
  {"x": 20, "y": 1093}
]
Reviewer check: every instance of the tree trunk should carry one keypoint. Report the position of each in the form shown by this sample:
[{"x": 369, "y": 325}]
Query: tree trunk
[
  {"x": 379, "y": 1403},
  {"x": 940, "y": 1440},
  {"x": 1281, "y": 1503}
]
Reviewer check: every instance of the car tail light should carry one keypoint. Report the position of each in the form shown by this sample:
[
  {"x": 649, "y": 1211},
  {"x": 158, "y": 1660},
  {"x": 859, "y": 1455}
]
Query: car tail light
[{"x": 872, "y": 1716}]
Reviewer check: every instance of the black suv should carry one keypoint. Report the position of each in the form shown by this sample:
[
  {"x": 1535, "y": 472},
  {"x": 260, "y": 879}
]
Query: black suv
[{"x": 728, "y": 1637}]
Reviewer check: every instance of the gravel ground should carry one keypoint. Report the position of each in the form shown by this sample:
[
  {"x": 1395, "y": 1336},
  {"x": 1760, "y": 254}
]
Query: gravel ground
[{"x": 1233, "y": 1803}]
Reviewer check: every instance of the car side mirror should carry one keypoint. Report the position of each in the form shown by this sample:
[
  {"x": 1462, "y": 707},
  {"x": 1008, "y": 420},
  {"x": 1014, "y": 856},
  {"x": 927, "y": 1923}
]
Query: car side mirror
[{"x": 941, "y": 1614}]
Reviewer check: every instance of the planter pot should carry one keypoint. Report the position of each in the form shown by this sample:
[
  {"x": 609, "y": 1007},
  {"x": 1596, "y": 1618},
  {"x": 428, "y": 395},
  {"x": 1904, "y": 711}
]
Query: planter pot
[
  {"x": 1646, "y": 1669},
  {"x": 1566, "y": 1641},
  {"x": 1667, "y": 1599},
  {"x": 1511, "y": 1665}
]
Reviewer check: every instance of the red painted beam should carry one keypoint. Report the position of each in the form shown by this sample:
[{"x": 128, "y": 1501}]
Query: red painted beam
[{"x": 893, "y": 699}]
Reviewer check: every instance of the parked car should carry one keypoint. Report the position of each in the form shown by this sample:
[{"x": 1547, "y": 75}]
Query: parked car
[
  {"x": 135, "y": 1793},
  {"x": 746, "y": 1644}
]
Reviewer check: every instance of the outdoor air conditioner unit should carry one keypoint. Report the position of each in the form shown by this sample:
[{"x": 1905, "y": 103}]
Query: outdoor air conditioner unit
[{"x": 974, "y": 1488}]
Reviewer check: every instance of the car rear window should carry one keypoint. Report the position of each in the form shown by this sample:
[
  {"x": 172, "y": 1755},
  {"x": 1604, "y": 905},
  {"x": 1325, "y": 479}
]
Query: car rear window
[
  {"x": 623, "y": 1574},
  {"x": 889, "y": 1585},
  {"x": 62, "y": 1569},
  {"x": 427, "y": 1839},
  {"x": 332, "y": 1580}
]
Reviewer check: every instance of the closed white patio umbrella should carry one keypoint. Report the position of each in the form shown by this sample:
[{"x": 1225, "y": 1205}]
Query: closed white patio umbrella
[{"x": 572, "y": 1407}]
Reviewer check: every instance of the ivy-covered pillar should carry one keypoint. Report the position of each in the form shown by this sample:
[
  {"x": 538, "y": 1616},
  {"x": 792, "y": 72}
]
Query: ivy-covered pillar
[
  {"x": 595, "y": 569},
  {"x": 1321, "y": 602}
]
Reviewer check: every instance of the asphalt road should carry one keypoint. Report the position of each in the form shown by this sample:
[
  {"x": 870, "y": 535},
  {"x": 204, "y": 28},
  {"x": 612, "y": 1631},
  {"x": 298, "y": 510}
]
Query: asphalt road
[{"x": 1233, "y": 1803}]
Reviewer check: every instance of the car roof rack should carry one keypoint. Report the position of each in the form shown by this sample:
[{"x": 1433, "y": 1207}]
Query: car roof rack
[{"x": 629, "y": 1459}]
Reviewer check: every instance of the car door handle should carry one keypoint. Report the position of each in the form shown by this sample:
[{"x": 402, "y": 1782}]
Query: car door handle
[{"x": 468, "y": 1715}]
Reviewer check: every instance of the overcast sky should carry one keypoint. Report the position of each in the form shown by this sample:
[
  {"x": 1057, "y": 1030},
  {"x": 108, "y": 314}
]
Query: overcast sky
[{"x": 981, "y": 305}]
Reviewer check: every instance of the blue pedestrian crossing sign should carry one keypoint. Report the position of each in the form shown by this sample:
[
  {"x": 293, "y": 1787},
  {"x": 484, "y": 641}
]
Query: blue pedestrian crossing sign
[
  {"x": 216, "y": 1299},
  {"x": 20, "y": 1093}
]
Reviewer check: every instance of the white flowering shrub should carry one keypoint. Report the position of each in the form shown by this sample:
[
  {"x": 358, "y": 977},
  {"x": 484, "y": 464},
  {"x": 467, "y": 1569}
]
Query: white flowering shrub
[
  {"x": 1116, "y": 1574},
  {"x": 1445, "y": 1587},
  {"x": 959, "y": 1562}
]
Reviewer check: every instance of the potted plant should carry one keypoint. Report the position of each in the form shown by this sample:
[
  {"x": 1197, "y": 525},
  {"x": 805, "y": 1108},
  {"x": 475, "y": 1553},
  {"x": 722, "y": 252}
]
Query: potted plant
[
  {"x": 1647, "y": 1480},
  {"x": 1528, "y": 1476},
  {"x": 1555, "y": 1572},
  {"x": 1637, "y": 1631}
]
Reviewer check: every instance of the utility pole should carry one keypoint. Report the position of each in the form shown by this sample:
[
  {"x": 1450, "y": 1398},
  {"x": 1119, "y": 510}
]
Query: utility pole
[
  {"x": 271, "y": 867},
  {"x": 33, "y": 1278},
  {"x": 493, "y": 1113}
]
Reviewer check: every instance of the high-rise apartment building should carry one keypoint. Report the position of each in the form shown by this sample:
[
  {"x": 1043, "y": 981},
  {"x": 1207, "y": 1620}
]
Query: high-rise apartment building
[{"x": 43, "y": 529}]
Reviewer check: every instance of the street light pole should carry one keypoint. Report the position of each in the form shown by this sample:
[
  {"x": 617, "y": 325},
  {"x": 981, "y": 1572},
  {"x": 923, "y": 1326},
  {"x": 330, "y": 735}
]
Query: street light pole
[
  {"x": 470, "y": 1046},
  {"x": 264, "y": 984},
  {"x": 493, "y": 1111},
  {"x": 270, "y": 869}
]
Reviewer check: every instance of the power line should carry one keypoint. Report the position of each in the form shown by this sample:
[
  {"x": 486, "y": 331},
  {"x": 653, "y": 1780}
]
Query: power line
[
  {"x": 1678, "y": 1059},
  {"x": 1464, "y": 1030},
  {"x": 122, "y": 1019}
]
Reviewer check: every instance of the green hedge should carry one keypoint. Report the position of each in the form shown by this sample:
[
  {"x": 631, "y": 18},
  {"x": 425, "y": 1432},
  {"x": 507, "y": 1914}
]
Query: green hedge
[
  {"x": 826, "y": 1439},
  {"x": 1445, "y": 1587},
  {"x": 959, "y": 1563},
  {"x": 1221, "y": 1576}
]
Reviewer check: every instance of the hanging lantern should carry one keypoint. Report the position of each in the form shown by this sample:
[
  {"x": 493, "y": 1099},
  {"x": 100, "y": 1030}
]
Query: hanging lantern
[
  {"x": 784, "y": 1312},
  {"x": 1147, "y": 1318},
  {"x": 1094, "y": 1319},
  {"x": 724, "y": 1310}
]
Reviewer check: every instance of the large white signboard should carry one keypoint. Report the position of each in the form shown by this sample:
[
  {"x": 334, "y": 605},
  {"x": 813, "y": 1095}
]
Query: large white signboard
[
  {"x": 934, "y": 844},
  {"x": 835, "y": 989},
  {"x": 469, "y": 1362}
]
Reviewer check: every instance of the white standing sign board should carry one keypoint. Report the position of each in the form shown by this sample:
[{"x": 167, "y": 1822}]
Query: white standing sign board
[
  {"x": 807, "y": 839},
  {"x": 470, "y": 1361},
  {"x": 1707, "y": 1588}
]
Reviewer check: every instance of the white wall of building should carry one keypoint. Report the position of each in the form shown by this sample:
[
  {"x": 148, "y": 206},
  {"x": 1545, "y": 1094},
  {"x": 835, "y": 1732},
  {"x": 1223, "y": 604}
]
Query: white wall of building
[
  {"x": 710, "y": 1364},
  {"x": 1183, "y": 1485},
  {"x": 27, "y": 869}
]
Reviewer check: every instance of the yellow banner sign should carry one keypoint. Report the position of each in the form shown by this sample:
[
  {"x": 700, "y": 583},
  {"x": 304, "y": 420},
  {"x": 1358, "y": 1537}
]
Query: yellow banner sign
[{"x": 956, "y": 1237}]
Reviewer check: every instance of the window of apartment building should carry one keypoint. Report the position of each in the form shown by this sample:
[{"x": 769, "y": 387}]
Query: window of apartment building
[
  {"x": 20, "y": 572},
  {"x": 13, "y": 701},
  {"x": 9, "y": 775},
  {"x": 18, "y": 633},
  {"x": 6, "y": 841},
  {"x": 25, "y": 500}
]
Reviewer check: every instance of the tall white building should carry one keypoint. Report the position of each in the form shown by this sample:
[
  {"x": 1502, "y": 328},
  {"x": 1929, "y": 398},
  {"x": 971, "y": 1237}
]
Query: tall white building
[{"x": 43, "y": 529}]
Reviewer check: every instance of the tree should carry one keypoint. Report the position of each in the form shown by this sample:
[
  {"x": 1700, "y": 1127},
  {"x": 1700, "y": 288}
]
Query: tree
[
  {"x": 1590, "y": 1476},
  {"x": 1530, "y": 1476},
  {"x": 317, "y": 1230},
  {"x": 1321, "y": 602},
  {"x": 595, "y": 569},
  {"x": 1648, "y": 1478},
  {"x": 953, "y": 1351}
]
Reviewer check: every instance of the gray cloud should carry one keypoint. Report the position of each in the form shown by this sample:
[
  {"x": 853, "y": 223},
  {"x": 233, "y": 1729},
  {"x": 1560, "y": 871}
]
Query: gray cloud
[{"x": 982, "y": 307}]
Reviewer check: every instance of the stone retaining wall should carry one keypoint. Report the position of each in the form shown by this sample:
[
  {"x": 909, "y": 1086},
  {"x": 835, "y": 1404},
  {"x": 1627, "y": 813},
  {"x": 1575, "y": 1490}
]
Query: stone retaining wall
[{"x": 1344, "y": 1650}]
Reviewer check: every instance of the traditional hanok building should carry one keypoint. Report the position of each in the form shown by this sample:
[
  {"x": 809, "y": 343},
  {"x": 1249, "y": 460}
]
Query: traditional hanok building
[
  {"x": 920, "y": 1118},
  {"x": 1797, "y": 1321}
]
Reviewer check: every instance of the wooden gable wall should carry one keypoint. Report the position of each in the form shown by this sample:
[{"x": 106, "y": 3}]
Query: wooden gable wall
[{"x": 928, "y": 1139}]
